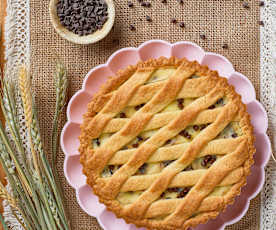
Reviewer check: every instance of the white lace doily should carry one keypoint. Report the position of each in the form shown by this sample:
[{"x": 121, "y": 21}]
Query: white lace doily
[
  {"x": 17, "y": 43},
  {"x": 17, "y": 37},
  {"x": 268, "y": 98}
]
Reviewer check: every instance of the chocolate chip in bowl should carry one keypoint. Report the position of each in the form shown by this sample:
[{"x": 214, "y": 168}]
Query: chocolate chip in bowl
[{"x": 82, "y": 21}]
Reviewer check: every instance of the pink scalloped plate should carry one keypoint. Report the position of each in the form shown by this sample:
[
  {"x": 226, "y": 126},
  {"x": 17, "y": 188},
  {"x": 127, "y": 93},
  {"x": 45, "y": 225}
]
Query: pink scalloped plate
[{"x": 154, "y": 49}]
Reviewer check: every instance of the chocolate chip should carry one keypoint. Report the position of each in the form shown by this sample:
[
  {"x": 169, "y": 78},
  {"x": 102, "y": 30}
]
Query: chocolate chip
[
  {"x": 140, "y": 138},
  {"x": 162, "y": 195},
  {"x": 184, "y": 133},
  {"x": 261, "y": 23},
  {"x": 97, "y": 141},
  {"x": 208, "y": 160},
  {"x": 166, "y": 163},
  {"x": 261, "y": 3},
  {"x": 132, "y": 27},
  {"x": 137, "y": 107},
  {"x": 183, "y": 193},
  {"x": 130, "y": 4},
  {"x": 148, "y": 18},
  {"x": 173, "y": 20},
  {"x": 188, "y": 168},
  {"x": 168, "y": 142},
  {"x": 82, "y": 17},
  {"x": 212, "y": 107},
  {"x": 196, "y": 127},
  {"x": 180, "y": 106},
  {"x": 220, "y": 101},
  {"x": 182, "y": 24},
  {"x": 135, "y": 145},
  {"x": 111, "y": 168},
  {"x": 234, "y": 135},
  {"x": 180, "y": 103},
  {"x": 202, "y": 36},
  {"x": 203, "y": 127},
  {"x": 245, "y": 5},
  {"x": 122, "y": 115},
  {"x": 172, "y": 189},
  {"x": 225, "y": 46},
  {"x": 143, "y": 168},
  {"x": 180, "y": 100}
]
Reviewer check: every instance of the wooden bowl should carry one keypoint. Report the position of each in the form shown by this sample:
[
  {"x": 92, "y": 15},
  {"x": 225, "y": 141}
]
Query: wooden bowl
[{"x": 87, "y": 39}]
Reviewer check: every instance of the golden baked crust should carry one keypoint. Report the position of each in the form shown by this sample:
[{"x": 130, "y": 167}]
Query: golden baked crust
[{"x": 166, "y": 144}]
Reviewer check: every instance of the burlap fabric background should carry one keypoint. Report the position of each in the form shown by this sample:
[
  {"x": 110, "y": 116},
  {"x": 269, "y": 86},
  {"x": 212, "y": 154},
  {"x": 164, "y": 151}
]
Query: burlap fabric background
[{"x": 224, "y": 21}]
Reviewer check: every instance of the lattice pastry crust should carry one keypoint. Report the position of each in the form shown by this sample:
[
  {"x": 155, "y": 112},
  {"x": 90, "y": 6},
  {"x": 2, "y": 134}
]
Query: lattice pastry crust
[{"x": 166, "y": 144}]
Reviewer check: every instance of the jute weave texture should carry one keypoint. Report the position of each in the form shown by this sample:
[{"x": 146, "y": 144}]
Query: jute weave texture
[{"x": 221, "y": 21}]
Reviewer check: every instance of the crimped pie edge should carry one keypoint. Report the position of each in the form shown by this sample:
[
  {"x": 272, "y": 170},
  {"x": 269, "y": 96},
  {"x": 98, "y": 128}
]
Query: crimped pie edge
[{"x": 112, "y": 84}]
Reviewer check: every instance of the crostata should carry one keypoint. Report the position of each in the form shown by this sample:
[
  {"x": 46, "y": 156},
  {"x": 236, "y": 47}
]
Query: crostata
[{"x": 166, "y": 144}]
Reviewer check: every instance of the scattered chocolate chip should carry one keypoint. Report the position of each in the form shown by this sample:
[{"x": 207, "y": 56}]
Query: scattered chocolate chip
[
  {"x": 182, "y": 24},
  {"x": 196, "y": 127},
  {"x": 132, "y": 27},
  {"x": 225, "y": 46},
  {"x": 130, "y": 4},
  {"x": 189, "y": 137},
  {"x": 202, "y": 36},
  {"x": 122, "y": 115},
  {"x": 261, "y": 3},
  {"x": 162, "y": 195},
  {"x": 183, "y": 193},
  {"x": 97, "y": 141},
  {"x": 212, "y": 107},
  {"x": 261, "y": 23},
  {"x": 148, "y": 18},
  {"x": 140, "y": 138},
  {"x": 234, "y": 135},
  {"x": 173, "y": 20},
  {"x": 245, "y": 5},
  {"x": 135, "y": 145},
  {"x": 82, "y": 17}
]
